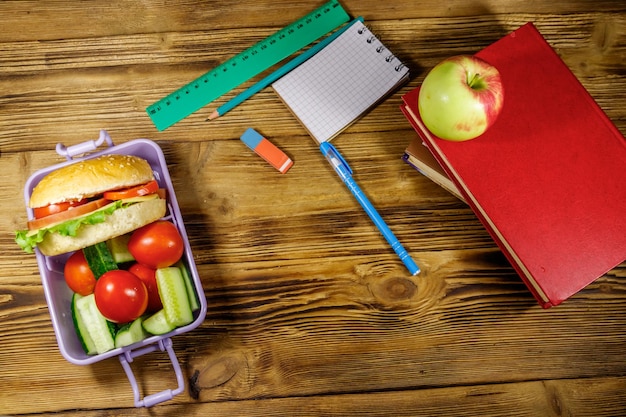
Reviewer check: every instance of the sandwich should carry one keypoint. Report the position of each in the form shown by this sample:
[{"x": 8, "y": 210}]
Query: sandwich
[{"x": 91, "y": 201}]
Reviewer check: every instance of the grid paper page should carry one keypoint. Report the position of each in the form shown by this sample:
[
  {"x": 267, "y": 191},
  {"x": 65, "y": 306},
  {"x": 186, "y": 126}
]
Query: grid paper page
[{"x": 342, "y": 81}]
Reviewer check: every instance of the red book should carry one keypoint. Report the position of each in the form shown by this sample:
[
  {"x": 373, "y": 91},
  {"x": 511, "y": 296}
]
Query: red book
[{"x": 548, "y": 179}]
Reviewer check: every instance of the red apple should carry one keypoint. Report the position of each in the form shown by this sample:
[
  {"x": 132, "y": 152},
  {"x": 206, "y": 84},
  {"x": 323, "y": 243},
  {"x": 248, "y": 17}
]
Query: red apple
[{"x": 460, "y": 98}]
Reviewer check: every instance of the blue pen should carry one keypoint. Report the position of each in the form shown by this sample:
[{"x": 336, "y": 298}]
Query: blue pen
[
  {"x": 345, "y": 173},
  {"x": 246, "y": 94}
]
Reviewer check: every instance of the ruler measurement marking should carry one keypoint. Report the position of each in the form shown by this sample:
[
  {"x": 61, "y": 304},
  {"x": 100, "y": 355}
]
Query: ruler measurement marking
[{"x": 245, "y": 65}]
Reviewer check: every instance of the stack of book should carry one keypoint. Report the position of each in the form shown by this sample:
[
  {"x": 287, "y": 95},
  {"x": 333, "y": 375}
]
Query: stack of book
[
  {"x": 547, "y": 180},
  {"x": 419, "y": 157}
]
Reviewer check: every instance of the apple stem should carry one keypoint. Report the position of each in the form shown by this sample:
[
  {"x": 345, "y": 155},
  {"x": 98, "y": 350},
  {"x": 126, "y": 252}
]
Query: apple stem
[
  {"x": 472, "y": 81},
  {"x": 476, "y": 82}
]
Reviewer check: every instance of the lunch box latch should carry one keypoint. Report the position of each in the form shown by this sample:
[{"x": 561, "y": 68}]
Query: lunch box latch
[
  {"x": 69, "y": 152},
  {"x": 149, "y": 400}
]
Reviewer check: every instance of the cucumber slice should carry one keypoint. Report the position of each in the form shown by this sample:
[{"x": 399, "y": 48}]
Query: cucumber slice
[
  {"x": 81, "y": 328},
  {"x": 118, "y": 246},
  {"x": 157, "y": 323},
  {"x": 130, "y": 333},
  {"x": 100, "y": 330},
  {"x": 191, "y": 292},
  {"x": 173, "y": 293},
  {"x": 99, "y": 259}
]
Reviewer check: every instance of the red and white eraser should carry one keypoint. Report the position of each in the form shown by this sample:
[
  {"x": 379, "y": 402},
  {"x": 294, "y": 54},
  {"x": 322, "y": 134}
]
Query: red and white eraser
[{"x": 267, "y": 150}]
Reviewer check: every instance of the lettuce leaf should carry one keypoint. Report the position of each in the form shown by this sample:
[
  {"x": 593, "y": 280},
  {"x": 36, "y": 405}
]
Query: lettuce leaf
[{"x": 28, "y": 239}]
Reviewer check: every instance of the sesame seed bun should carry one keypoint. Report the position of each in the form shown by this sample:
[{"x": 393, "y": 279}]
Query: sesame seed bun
[
  {"x": 89, "y": 178},
  {"x": 120, "y": 222}
]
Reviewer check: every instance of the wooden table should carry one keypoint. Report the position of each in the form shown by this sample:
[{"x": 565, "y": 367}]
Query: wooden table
[{"x": 309, "y": 310}]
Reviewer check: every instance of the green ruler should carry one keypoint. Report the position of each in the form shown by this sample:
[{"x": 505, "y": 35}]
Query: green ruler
[{"x": 245, "y": 65}]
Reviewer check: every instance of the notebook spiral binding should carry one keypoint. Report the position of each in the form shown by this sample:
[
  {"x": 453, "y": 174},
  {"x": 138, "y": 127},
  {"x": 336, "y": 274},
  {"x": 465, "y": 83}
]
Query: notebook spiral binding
[{"x": 381, "y": 48}]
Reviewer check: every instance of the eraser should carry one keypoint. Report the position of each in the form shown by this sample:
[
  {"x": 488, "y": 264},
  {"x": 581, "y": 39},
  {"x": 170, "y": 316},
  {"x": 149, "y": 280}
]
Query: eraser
[{"x": 266, "y": 150}]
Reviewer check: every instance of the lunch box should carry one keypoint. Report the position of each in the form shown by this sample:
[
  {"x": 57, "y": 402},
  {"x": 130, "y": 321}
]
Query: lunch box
[{"x": 58, "y": 295}]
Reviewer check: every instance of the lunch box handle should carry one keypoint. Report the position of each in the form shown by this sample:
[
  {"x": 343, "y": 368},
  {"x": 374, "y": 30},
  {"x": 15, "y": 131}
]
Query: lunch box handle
[
  {"x": 91, "y": 145},
  {"x": 149, "y": 400}
]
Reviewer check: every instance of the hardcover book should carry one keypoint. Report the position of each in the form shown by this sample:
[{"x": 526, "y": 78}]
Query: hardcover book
[
  {"x": 419, "y": 157},
  {"x": 548, "y": 179}
]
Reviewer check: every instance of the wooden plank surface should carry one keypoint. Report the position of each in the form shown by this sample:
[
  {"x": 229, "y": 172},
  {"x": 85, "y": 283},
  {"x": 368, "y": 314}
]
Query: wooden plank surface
[{"x": 309, "y": 310}]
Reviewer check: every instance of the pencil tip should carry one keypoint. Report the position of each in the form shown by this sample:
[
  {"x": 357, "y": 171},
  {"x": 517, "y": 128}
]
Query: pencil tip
[{"x": 213, "y": 115}]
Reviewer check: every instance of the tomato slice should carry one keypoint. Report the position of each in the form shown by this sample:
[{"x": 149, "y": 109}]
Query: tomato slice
[
  {"x": 40, "y": 212},
  {"x": 136, "y": 191},
  {"x": 68, "y": 214}
]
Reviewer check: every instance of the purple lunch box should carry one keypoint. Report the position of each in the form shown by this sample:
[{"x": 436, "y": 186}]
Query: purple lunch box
[{"x": 58, "y": 294}]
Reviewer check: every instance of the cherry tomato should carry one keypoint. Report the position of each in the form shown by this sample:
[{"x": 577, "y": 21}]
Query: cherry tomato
[
  {"x": 136, "y": 191},
  {"x": 120, "y": 296},
  {"x": 40, "y": 212},
  {"x": 148, "y": 276},
  {"x": 157, "y": 245},
  {"x": 77, "y": 274}
]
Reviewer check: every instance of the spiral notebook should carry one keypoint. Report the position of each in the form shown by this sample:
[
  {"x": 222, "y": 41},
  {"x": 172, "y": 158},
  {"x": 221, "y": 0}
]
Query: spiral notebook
[{"x": 340, "y": 83}]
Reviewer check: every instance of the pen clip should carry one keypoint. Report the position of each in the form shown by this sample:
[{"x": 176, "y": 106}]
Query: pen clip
[{"x": 333, "y": 155}]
